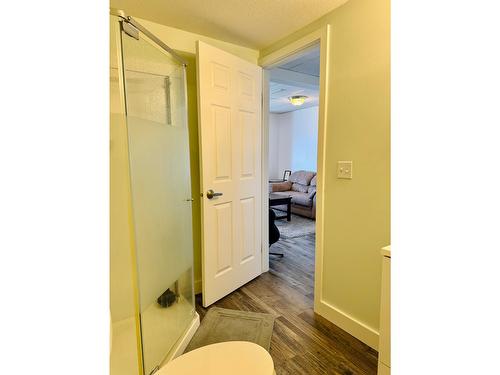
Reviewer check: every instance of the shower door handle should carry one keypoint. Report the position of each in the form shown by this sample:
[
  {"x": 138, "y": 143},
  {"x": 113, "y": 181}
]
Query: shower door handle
[{"x": 211, "y": 194}]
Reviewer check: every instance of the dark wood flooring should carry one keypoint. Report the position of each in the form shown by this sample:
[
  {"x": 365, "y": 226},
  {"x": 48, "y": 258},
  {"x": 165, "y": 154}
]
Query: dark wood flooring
[{"x": 303, "y": 342}]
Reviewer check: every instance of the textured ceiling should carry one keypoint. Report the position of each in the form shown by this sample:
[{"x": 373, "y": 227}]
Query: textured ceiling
[{"x": 251, "y": 23}]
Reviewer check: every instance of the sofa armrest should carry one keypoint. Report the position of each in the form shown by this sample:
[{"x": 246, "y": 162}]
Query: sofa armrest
[
  {"x": 281, "y": 186},
  {"x": 314, "y": 207}
]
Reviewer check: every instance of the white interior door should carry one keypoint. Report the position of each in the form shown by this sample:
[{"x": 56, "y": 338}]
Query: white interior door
[{"x": 229, "y": 111}]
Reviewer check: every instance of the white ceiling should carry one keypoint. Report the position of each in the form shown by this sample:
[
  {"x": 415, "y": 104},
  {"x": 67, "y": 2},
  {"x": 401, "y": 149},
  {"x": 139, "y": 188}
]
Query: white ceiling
[
  {"x": 251, "y": 23},
  {"x": 296, "y": 77},
  {"x": 307, "y": 64},
  {"x": 280, "y": 92}
]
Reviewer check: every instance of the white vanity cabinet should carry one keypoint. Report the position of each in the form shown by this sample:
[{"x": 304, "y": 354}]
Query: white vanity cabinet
[{"x": 384, "y": 346}]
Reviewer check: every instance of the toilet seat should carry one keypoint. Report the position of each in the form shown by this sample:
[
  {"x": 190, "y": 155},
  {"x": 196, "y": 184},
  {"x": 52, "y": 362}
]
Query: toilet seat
[{"x": 225, "y": 358}]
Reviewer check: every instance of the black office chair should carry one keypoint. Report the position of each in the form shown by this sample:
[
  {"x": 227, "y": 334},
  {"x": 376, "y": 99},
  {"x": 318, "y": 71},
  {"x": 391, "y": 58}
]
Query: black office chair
[{"x": 274, "y": 233}]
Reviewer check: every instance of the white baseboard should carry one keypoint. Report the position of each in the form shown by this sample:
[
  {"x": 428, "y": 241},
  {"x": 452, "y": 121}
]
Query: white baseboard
[
  {"x": 183, "y": 342},
  {"x": 197, "y": 287},
  {"x": 349, "y": 324}
]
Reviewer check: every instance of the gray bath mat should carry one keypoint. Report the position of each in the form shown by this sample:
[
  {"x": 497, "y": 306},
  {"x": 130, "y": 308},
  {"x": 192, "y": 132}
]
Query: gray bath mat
[{"x": 220, "y": 325}]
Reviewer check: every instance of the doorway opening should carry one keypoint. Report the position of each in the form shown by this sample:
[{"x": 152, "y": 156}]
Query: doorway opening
[
  {"x": 292, "y": 132},
  {"x": 303, "y": 56}
]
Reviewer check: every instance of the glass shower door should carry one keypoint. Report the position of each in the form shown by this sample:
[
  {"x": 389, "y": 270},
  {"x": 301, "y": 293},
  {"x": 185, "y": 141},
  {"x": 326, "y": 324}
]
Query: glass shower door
[{"x": 155, "y": 91}]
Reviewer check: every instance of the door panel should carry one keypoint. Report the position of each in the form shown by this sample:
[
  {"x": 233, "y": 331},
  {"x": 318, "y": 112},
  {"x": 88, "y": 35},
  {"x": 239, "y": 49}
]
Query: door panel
[
  {"x": 222, "y": 123},
  {"x": 229, "y": 100},
  {"x": 248, "y": 146},
  {"x": 248, "y": 228},
  {"x": 224, "y": 240}
]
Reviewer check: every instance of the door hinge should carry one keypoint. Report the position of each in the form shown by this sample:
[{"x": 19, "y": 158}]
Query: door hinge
[{"x": 130, "y": 30}]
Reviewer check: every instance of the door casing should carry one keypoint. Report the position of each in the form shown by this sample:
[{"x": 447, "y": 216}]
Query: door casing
[{"x": 290, "y": 51}]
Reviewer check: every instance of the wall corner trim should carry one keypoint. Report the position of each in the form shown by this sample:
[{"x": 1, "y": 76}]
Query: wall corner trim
[{"x": 348, "y": 323}]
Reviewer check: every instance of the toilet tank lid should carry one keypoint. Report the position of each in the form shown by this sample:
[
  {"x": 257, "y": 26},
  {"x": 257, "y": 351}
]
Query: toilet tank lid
[{"x": 233, "y": 357}]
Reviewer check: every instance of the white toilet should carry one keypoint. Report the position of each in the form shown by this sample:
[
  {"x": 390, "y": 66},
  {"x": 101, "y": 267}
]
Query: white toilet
[{"x": 225, "y": 358}]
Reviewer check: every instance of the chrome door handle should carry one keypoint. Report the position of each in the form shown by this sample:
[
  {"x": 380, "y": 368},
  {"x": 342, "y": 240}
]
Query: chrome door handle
[{"x": 211, "y": 194}]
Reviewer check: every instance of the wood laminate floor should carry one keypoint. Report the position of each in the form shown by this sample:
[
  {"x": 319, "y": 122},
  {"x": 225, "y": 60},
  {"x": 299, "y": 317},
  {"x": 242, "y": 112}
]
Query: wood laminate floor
[{"x": 302, "y": 342}]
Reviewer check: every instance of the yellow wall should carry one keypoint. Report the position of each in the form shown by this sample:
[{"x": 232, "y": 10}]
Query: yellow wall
[
  {"x": 357, "y": 211},
  {"x": 195, "y": 163}
]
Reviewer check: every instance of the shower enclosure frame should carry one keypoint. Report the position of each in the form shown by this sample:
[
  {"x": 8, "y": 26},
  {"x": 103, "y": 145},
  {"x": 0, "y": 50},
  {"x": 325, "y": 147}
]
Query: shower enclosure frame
[
  {"x": 132, "y": 28},
  {"x": 128, "y": 20}
]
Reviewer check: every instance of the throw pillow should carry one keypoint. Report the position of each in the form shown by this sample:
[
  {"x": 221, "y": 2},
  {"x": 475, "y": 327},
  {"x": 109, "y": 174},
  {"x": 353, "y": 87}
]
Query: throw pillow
[{"x": 301, "y": 177}]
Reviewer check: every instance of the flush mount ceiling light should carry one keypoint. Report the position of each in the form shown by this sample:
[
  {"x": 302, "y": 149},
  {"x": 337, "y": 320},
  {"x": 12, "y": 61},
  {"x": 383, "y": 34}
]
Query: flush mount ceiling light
[{"x": 297, "y": 99}]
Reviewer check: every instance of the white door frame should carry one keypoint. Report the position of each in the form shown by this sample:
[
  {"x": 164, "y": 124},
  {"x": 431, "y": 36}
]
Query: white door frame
[{"x": 321, "y": 36}]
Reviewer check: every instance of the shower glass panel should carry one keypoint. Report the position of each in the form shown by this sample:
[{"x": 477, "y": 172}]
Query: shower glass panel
[
  {"x": 124, "y": 356},
  {"x": 155, "y": 91}
]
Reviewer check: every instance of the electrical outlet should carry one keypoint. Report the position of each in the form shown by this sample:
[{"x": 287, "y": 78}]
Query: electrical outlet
[{"x": 344, "y": 169}]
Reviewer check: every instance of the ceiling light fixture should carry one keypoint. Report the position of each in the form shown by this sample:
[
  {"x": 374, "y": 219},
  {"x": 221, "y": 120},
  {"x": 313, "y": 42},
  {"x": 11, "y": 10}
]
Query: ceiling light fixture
[{"x": 297, "y": 99}]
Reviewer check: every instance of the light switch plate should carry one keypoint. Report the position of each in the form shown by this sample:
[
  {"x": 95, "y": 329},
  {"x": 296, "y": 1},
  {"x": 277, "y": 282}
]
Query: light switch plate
[{"x": 344, "y": 169}]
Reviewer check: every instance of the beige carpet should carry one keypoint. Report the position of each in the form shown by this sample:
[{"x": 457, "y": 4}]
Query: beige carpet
[
  {"x": 298, "y": 226},
  {"x": 221, "y": 325}
]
